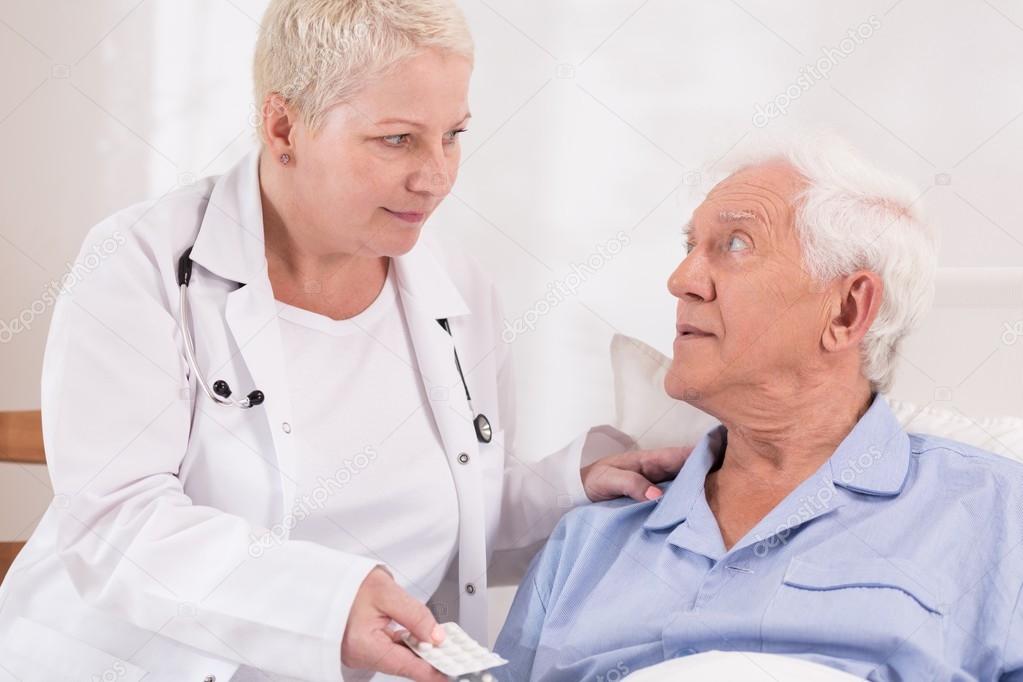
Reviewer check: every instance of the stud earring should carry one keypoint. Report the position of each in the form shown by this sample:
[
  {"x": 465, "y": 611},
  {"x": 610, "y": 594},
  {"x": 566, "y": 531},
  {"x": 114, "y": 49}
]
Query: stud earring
[{"x": 285, "y": 158}]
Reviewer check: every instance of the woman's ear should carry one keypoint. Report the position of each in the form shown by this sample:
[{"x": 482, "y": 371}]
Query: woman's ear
[
  {"x": 278, "y": 124},
  {"x": 855, "y": 306}
]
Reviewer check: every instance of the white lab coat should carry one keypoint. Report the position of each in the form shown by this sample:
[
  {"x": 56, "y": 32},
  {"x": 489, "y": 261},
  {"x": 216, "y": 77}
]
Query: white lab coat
[{"x": 165, "y": 553}]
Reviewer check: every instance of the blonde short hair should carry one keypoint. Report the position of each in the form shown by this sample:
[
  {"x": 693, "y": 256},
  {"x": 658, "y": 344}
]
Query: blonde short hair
[{"x": 317, "y": 54}]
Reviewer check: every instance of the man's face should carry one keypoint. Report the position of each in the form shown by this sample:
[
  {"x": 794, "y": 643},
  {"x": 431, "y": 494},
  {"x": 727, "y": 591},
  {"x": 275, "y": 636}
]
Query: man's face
[{"x": 748, "y": 314}]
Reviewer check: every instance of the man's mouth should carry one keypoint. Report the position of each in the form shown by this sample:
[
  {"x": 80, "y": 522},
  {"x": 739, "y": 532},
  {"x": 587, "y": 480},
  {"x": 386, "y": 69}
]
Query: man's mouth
[{"x": 688, "y": 331}]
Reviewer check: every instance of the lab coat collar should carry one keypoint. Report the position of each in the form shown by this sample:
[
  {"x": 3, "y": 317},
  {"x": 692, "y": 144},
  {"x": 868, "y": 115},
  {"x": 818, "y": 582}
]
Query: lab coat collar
[
  {"x": 873, "y": 459},
  {"x": 230, "y": 244},
  {"x": 426, "y": 286}
]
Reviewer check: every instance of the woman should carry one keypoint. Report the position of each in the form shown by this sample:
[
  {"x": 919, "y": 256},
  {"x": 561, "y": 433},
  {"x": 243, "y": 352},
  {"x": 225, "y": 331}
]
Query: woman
[{"x": 282, "y": 527}]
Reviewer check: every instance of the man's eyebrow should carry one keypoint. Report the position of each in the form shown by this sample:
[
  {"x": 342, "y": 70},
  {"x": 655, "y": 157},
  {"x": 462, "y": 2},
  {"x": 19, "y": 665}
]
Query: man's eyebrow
[{"x": 734, "y": 216}]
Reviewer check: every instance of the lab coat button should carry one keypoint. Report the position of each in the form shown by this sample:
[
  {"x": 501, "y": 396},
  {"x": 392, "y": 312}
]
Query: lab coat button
[
  {"x": 463, "y": 458},
  {"x": 470, "y": 588},
  {"x": 210, "y": 678},
  {"x": 286, "y": 426}
]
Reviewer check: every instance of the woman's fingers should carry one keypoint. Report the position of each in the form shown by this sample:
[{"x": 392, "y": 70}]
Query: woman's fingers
[
  {"x": 412, "y": 615},
  {"x": 612, "y": 482},
  {"x": 662, "y": 464},
  {"x": 394, "y": 658},
  {"x": 367, "y": 643},
  {"x": 633, "y": 473}
]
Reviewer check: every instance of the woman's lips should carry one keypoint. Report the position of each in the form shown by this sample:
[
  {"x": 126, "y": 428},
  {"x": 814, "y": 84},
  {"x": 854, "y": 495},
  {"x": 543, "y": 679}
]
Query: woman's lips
[{"x": 407, "y": 217}]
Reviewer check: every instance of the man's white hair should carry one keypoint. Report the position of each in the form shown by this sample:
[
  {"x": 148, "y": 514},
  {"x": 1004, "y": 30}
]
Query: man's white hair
[
  {"x": 317, "y": 54},
  {"x": 852, "y": 216}
]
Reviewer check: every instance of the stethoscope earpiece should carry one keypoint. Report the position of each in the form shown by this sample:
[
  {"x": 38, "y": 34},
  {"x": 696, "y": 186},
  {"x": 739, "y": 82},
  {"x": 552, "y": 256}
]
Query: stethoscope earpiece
[
  {"x": 221, "y": 388},
  {"x": 221, "y": 392}
]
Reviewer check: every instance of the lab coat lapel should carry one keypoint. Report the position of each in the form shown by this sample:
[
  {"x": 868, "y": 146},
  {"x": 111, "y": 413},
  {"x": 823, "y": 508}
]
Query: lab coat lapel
[
  {"x": 252, "y": 318},
  {"x": 428, "y": 294},
  {"x": 230, "y": 245}
]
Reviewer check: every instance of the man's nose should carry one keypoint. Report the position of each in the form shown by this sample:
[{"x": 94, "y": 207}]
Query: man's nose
[{"x": 692, "y": 280}]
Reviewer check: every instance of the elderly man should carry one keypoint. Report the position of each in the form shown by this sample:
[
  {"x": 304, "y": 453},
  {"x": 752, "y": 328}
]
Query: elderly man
[{"x": 809, "y": 523}]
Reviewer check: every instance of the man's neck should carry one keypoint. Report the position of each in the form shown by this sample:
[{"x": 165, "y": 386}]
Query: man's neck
[
  {"x": 775, "y": 442},
  {"x": 792, "y": 430}
]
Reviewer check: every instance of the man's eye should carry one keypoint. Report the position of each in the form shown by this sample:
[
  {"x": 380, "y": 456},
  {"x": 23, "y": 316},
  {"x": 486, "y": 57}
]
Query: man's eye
[
  {"x": 395, "y": 140},
  {"x": 737, "y": 243}
]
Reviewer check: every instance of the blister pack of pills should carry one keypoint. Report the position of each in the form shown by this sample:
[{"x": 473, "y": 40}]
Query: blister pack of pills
[{"x": 457, "y": 656}]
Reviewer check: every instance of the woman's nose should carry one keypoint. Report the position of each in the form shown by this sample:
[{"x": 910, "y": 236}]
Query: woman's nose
[{"x": 432, "y": 177}]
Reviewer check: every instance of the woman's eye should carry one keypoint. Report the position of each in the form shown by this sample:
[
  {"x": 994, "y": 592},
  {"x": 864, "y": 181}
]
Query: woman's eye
[
  {"x": 737, "y": 243},
  {"x": 395, "y": 140},
  {"x": 452, "y": 135}
]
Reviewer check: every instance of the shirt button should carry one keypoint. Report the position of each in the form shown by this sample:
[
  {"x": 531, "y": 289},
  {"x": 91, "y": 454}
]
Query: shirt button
[
  {"x": 463, "y": 458},
  {"x": 470, "y": 588},
  {"x": 286, "y": 427}
]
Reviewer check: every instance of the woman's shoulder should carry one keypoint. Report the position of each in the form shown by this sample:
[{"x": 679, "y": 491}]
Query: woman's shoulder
[
  {"x": 136, "y": 248},
  {"x": 174, "y": 216}
]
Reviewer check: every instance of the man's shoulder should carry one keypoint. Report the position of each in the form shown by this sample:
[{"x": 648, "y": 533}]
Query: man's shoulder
[
  {"x": 988, "y": 483},
  {"x": 603, "y": 520},
  {"x": 952, "y": 458}
]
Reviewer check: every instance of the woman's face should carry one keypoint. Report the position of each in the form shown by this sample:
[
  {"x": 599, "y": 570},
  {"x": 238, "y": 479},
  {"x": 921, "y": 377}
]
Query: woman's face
[{"x": 367, "y": 180}]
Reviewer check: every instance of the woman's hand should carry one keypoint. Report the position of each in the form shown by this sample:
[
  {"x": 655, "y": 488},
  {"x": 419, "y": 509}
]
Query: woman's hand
[
  {"x": 369, "y": 644},
  {"x": 632, "y": 473}
]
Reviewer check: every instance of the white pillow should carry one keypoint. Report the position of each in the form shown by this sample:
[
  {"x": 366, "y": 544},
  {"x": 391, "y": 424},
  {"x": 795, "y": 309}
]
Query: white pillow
[
  {"x": 736, "y": 666},
  {"x": 654, "y": 419}
]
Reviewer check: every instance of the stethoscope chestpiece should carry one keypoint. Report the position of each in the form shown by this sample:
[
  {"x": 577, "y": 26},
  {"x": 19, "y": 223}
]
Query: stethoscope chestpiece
[{"x": 484, "y": 433}]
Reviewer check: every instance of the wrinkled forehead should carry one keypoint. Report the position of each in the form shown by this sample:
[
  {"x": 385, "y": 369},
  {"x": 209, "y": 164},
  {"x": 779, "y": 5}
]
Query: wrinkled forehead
[{"x": 764, "y": 195}]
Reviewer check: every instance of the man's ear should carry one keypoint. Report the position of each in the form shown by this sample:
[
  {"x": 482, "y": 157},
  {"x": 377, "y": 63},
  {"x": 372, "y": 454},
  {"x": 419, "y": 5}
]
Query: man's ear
[
  {"x": 857, "y": 299},
  {"x": 278, "y": 124}
]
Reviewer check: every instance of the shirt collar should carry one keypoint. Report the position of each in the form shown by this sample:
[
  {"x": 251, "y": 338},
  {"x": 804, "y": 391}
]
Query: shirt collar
[
  {"x": 230, "y": 244},
  {"x": 872, "y": 459}
]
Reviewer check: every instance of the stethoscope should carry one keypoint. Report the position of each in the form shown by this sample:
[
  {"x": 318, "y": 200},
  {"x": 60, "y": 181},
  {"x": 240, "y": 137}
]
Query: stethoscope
[{"x": 220, "y": 393}]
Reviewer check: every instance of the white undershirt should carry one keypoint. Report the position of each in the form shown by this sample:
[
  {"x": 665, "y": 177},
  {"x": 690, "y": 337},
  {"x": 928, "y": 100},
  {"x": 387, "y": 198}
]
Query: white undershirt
[{"x": 372, "y": 475}]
